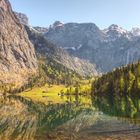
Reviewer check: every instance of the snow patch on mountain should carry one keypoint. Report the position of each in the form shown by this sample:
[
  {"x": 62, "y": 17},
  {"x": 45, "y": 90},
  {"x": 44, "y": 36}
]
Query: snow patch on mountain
[{"x": 74, "y": 48}]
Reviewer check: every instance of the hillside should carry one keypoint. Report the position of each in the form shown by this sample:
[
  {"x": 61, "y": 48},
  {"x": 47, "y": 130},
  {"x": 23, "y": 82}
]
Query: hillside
[{"x": 118, "y": 92}]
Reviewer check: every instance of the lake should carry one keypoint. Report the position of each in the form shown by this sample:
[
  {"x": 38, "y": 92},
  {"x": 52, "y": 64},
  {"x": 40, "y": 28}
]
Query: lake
[{"x": 74, "y": 118}]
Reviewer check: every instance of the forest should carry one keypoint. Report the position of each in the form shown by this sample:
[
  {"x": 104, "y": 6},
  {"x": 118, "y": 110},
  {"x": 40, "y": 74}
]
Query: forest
[{"x": 118, "y": 92}]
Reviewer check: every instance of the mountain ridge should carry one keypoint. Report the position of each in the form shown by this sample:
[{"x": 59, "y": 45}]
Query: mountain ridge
[
  {"x": 87, "y": 41},
  {"x": 115, "y": 45}
]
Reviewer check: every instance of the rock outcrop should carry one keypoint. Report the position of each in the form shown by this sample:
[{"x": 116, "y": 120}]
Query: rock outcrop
[
  {"x": 17, "y": 56},
  {"x": 23, "y": 18},
  {"x": 41, "y": 29}
]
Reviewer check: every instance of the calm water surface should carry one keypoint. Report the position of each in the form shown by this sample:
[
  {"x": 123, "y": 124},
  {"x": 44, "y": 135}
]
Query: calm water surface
[{"x": 73, "y": 119}]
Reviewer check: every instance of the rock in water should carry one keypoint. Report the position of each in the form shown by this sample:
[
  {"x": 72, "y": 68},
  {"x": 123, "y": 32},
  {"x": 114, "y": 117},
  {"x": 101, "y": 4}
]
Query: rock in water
[{"x": 17, "y": 56}]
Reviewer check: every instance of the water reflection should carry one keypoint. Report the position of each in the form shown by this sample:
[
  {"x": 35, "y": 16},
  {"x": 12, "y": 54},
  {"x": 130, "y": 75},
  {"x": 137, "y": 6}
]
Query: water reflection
[
  {"x": 24, "y": 119},
  {"x": 128, "y": 106}
]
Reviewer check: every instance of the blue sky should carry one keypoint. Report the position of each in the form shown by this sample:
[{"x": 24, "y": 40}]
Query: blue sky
[{"x": 103, "y": 13}]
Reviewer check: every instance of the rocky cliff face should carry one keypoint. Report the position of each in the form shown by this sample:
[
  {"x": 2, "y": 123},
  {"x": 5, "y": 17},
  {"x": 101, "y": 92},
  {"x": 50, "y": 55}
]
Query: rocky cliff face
[
  {"x": 72, "y": 36},
  {"x": 108, "y": 48},
  {"x": 17, "y": 56}
]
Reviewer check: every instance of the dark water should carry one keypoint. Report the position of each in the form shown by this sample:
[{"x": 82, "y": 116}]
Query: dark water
[{"x": 23, "y": 119}]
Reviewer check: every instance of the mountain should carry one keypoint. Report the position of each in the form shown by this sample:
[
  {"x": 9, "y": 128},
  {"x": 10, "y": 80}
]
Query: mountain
[
  {"x": 107, "y": 49},
  {"x": 57, "y": 54},
  {"x": 118, "y": 92},
  {"x": 73, "y": 35},
  {"x": 17, "y": 56},
  {"x": 50, "y": 51}
]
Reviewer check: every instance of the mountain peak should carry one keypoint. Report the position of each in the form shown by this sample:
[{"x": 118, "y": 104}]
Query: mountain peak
[
  {"x": 23, "y": 18},
  {"x": 57, "y": 23},
  {"x": 113, "y": 26},
  {"x": 117, "y": 28},
  {"x": 114, "y": 32}
]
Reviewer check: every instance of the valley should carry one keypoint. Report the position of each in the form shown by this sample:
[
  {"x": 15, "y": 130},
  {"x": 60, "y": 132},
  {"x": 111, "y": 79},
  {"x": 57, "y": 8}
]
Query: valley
[{"x": 67, "y": 81}]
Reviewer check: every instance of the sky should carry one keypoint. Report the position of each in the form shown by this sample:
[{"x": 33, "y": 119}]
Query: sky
[{"x": 103, "y": 13}]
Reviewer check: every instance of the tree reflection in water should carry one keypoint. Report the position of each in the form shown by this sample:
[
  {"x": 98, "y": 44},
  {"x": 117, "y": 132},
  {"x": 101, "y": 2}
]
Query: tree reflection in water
[{"x": 24, "y": 119}]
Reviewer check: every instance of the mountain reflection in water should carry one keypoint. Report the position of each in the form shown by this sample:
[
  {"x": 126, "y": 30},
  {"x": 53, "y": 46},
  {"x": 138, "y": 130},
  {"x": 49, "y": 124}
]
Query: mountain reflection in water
[{"x": 24, "y": 119}]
